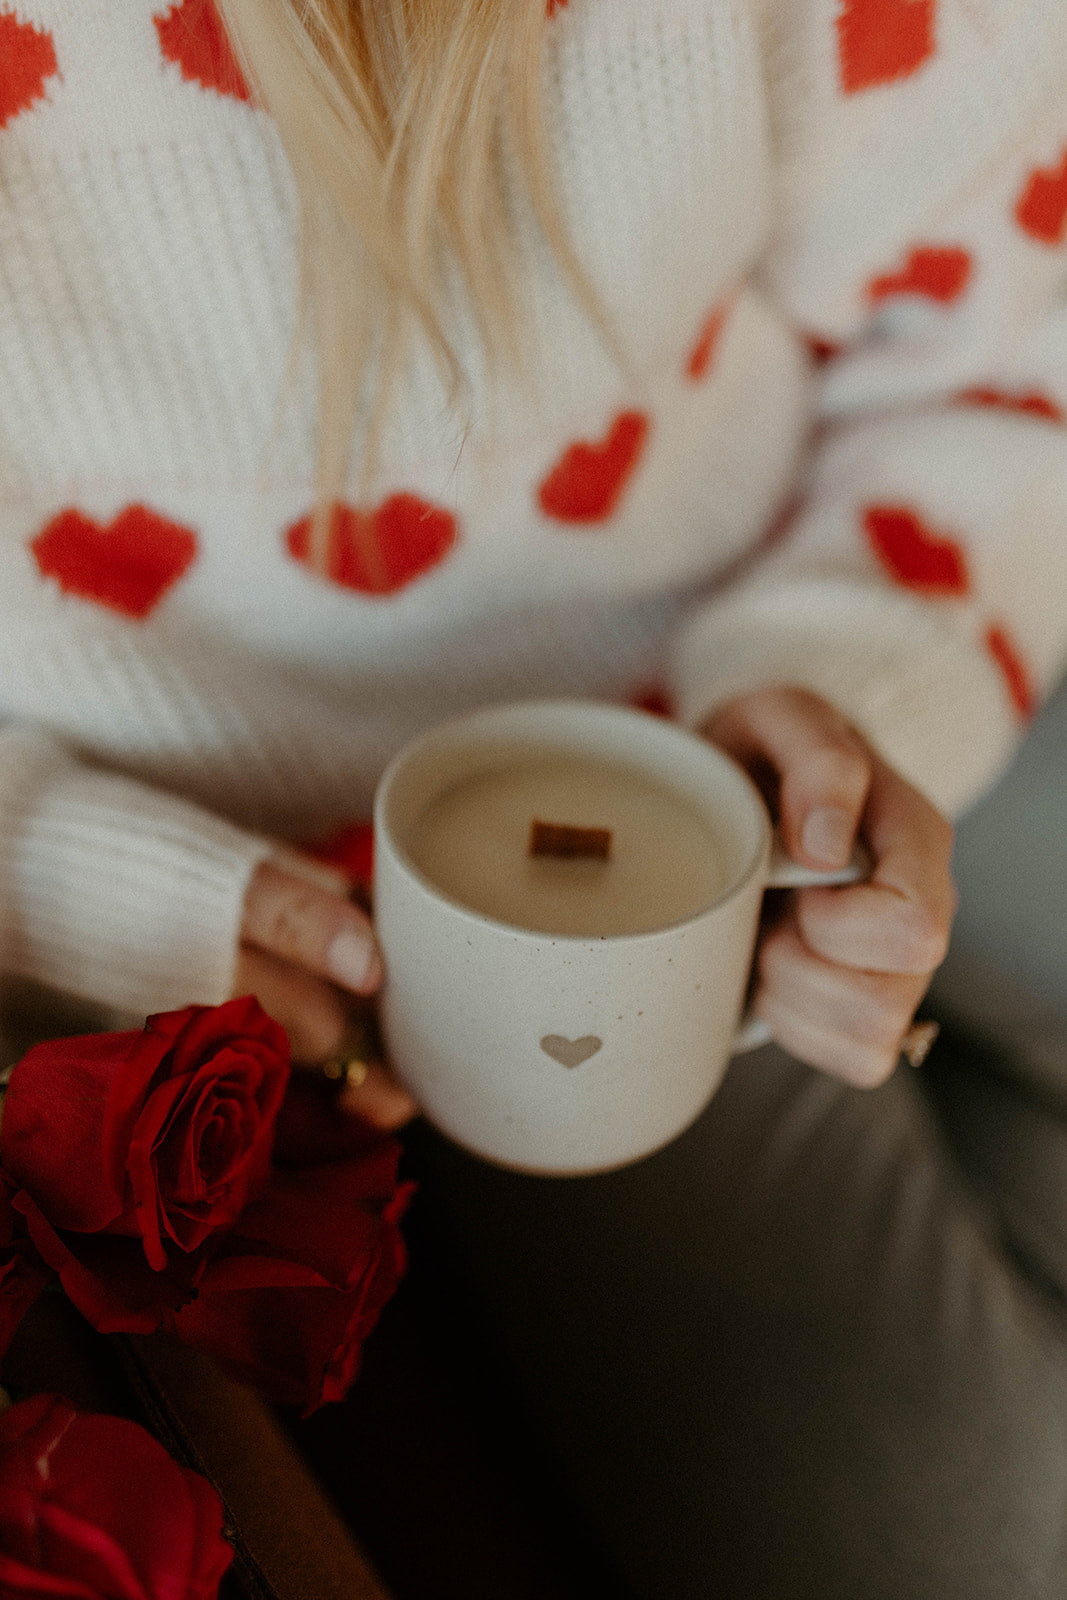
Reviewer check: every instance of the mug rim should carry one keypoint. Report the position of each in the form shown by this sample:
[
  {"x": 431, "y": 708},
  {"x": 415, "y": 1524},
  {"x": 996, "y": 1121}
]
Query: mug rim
[{"x": 608, "y": 711}]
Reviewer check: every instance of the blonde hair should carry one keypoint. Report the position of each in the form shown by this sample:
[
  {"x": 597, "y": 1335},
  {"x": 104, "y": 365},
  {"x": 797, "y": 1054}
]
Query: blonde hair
[{"x": 405, "y": 123}]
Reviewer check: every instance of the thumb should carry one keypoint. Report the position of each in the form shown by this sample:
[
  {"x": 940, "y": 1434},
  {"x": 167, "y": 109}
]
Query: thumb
[{"x": 822, "y": 764}]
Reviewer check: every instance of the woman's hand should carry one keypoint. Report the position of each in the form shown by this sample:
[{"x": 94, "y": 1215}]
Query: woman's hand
[
  {"x": 840, "y": 975},
  {"x": 310, "y": 957}
]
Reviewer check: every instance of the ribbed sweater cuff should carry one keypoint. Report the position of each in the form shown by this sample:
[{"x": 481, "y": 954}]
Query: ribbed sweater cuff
[
  {"x": 112, "y": 890},
  {"x": 909, "y": 675}
]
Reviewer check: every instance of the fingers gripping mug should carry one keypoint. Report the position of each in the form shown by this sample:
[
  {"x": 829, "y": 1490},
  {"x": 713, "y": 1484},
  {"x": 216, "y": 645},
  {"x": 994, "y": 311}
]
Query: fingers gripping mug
[{"x": 567, "y": 1016}]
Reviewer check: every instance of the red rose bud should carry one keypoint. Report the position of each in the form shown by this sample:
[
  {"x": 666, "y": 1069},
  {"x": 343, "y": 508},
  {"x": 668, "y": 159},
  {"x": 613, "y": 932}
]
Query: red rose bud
[
  {"x": 290, "y": 1295},
  {"x": 160, "y": 1135},
  {"x": 92, "y": 1507}
]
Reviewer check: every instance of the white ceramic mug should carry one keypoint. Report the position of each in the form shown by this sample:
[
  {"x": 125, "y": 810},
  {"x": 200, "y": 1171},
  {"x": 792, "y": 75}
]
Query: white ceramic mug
[{"x": 569, "y": 1054}]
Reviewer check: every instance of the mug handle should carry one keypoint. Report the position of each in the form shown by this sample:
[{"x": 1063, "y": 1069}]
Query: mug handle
[{"x": 785, "y": 873}]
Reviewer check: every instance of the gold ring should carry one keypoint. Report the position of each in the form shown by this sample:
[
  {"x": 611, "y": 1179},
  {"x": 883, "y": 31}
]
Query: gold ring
[
  {"x": 349, "y": 1071},
  {"x": 917, "y": 1042},
  {"x": 356, "y": 1071},
  {"x": 350, "y": 1067}
]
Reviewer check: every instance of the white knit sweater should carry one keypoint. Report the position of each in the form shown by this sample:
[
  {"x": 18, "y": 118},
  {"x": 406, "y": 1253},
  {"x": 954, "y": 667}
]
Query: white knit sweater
[{"x": 746, "y": 181}]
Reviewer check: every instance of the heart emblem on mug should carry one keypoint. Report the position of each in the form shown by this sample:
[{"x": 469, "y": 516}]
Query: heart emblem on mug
[{"x": 570, "y": 1052}]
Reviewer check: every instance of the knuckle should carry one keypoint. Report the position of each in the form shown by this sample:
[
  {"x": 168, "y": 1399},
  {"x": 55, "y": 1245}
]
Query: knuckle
[
  {"x": 869, "y": 1067},
  {"x": 923, "y": 933},
  {"x": 873, "y": 1012},
  {"x": 866, "y": 1057},
  {"x": 291, "y": 921},
  {"x": 838, "y": 767},
  {"x": 394, "y": 1115},
  {"x": 763, "y": 702},
  {"x": 797, "y": 701},
  {"x": 777, "y": 953},
  {"x": 321, "y": 1027},
  {"x": 293, "y": 918},
  {"x": 861, "y": 1063}
]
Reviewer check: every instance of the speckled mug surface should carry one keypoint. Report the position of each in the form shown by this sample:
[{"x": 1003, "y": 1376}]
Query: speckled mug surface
[{"x": 561, "y": 1054}]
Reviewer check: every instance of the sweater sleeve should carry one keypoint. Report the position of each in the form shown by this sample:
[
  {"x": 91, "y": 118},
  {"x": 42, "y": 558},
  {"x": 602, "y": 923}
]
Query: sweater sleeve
[
  {"x": 919, "y": 579},
  {"x": 112, "y": 890}
]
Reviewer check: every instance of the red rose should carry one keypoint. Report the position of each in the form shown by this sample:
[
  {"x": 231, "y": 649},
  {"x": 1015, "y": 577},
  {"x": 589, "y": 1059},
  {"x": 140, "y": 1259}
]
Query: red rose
[
  {"x": 92, "y": 1508},
  {"x": 289, "y": 1296},
  {"x": 108, "y": 1278},
  {"x": 160, "y": 1135},
  {"x": 22, "y": 1272}
]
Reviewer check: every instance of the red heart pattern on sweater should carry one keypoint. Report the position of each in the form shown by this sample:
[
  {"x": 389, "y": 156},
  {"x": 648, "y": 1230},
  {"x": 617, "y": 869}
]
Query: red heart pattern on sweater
[
  {"x": 589, "y": 479},
  {"x": 653, "y": 697},
  {"x": 1029, "y": 403},
  {"x": 27, "y": 61},
  {"x": 879, "y": 41},
  {"x": 883, "y": 40},
  {"x": 822, "y": 350},
  {"x": 702, "y": 355},
  {"x": 1017, "y": 678},
  {"x": 914, "y": 554},
  {"x": 381, "y": 551},
  {"x": 192, "y": 36},
  {"x": 127, "y": 564},
  {"x": 1041, "y": 209},
  {"x": 940, "y": 272},
  {"x": 350, "y": 849}
]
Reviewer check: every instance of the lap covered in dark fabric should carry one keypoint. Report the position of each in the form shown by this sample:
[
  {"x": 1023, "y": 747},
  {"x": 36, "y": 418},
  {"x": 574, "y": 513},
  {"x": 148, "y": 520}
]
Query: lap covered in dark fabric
[{"x": 797, "y": 1353}]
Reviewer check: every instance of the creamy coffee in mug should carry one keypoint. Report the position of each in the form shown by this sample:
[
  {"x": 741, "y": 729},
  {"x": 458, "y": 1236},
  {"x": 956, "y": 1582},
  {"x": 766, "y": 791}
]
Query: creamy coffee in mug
[
  {"x": 664, "y": 865},
  {"x": 567, "y": 1015}
]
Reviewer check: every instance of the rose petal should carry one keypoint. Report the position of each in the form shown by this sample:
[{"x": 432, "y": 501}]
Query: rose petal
[
  {"x": 22, "y": 1272},
  {"x": 320, "y": 1216},
  {"x": 20, "y": 1582},
  {"x": 93, "y": 1505},
  {"x": 84, "y": 1553},
  {"x": 54, "y": 1112},
  {"x": 289, "y": 1296},
  {"x": 108, "y": 1278}
]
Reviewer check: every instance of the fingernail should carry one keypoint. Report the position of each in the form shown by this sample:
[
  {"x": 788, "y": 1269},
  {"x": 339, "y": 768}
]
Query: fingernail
[
  {"x": 353, "y": 960},
  {"x": 827, "y": 835}
]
